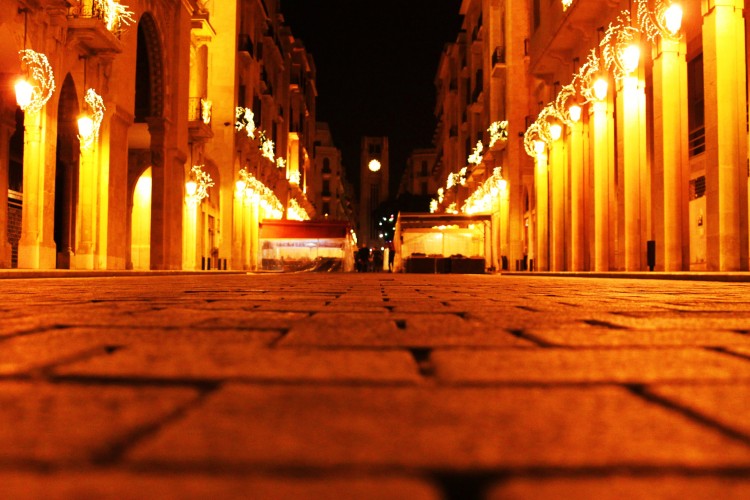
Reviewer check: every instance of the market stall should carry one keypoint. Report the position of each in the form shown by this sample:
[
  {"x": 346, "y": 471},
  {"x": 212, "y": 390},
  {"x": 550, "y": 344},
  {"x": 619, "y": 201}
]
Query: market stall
[
  {"x": 443, "y": 243},
  {"x": 288, "y": 245}
]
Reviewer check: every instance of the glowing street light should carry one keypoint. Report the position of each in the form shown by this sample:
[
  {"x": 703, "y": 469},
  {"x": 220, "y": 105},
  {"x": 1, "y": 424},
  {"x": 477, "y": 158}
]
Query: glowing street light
[
  {"x": 24, "y": 92},
  {"x": 673, "y": 18},
  {"x": 575, "y": 112},
  {"x": 539, "y": 147},
  {"x": 630, "y": 57},
  {"x": 374, "y": 165},
  {"x": 600, "y": 88},
  {"x": 555, "y": 131},
  {"x": 85, "y": 126}
]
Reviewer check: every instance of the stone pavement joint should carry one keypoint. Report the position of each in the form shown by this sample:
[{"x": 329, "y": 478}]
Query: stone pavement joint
[{"x": 373, "y": 386}]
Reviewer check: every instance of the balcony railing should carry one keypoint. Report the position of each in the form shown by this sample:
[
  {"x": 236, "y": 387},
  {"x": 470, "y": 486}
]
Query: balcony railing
[
  {"x": 199, "y": 109},
  {"x": 697, "y": 141},
  {"x": 114, "y": 20}
]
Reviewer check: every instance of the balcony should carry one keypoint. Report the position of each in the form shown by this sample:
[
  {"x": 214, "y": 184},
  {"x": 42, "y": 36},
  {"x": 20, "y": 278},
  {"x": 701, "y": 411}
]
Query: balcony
[
  {"x": 245, "y": 44},
  {"x": 199, "y": 119},
  {"x": 94, "y": 30},
  {"x": 498, "y": 61}
]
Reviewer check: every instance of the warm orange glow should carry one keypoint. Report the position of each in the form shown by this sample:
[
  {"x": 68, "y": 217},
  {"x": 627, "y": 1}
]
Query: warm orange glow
[
  {"x": 191, "y": 187},
  {"x": 374, "y": 165},
  {"x": 575, "y": 112},
  {"x": 85, "y": 126},
  {"x": 555, "y": 131},
  {"x": 24, "y": 92},
  {"x": 630, "y": 57},
  {"x": 600, "y": 89},
  {"x": 539, "y": 147},
  {"x": 673, "y": 18}
]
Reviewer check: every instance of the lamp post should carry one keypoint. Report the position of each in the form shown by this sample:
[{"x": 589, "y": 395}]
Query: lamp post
[{"x": 662, "y": 27}]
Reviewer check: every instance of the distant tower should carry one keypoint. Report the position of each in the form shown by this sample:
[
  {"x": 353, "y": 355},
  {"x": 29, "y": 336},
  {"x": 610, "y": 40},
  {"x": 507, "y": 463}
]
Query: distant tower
[{"x": 373, "y": 189}]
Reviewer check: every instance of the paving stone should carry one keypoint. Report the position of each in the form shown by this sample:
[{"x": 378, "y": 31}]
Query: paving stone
[
  {"x": 589, "y": 336},
  {"x": 441, "y": 428},
  {"x": 586, "y": 365},
  {"x": 193, "y": 361},
  {"x": 398, "y": 329},
  {"x": 28, "y": 352},
  {"x": 63, "y": 423},
  {"x": 727, "y": 404},
  {"x": 127, "y": 486},
  {"x": 619, "y": 487}
]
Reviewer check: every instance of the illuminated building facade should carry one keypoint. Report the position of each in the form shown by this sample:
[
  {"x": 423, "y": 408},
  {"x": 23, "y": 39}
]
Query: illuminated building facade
[
  {"x": 626, "y": 132},
  {"x": 201, "y": 124},
  {"x": 331, "y": 195}
]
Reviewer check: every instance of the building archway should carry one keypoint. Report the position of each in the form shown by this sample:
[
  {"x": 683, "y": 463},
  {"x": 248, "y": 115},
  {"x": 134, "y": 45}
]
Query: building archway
[
  {"x": 146, "y": 150},
  {"x": 140, "y": 216},
  {"x": 66, "y": 174}
]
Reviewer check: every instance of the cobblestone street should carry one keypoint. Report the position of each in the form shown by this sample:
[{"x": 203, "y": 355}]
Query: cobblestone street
[{"x": 367, "y": 386}]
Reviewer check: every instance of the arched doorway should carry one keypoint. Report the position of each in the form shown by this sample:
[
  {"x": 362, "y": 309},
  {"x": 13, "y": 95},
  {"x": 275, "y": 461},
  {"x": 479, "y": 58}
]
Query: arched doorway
[
  {"x": 140, "y": 228},
  {"x": 146, "y": 149},
  {"x": 66, "y": 174}
]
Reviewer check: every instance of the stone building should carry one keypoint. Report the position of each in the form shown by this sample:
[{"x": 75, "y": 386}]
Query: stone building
[
  {"x": 626, "y": 139},
  {"x": 331, "y": 195},
  {"x": 418, "y": 178},
  {"x": 203, "y": 118}
]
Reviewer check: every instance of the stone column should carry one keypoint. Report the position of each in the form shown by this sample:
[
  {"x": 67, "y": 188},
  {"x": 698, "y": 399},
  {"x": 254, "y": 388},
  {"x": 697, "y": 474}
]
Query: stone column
[
  {"x": 541, "y": 183},
  {"x": 87, "y": 208},
  {"x": 557, "y": 213},
  {"x": 671, "y": 149},
  {"x": 599, "y": 130},
  {"x": 575, "y": 155},
  {"x": 36, "y": 249},
  {"x": 632, "y": 111},
  {"x": 724, "y": 67}
]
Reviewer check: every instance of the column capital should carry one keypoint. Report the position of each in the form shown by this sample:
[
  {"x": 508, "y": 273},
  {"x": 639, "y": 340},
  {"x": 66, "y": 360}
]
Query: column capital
[{"x": 708, "y": 5}]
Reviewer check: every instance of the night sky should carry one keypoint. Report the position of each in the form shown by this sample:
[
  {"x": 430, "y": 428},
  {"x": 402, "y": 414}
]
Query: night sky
[{"x": 376, "y": 63}]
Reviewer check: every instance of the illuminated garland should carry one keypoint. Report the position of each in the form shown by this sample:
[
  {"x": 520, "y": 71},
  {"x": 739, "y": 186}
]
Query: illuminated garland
[
  {"x": 296, "y": 212},
  {"x": 96, "y": 103},
  {"x": 244, "y": 121},
  {"x": 254, "y": 191},
  {"x": 498, "y": 131},
  {"x": 206, "y": 107},
  {"x": 617, "y": 39},
  {"x": 199, "y": 183},
  {"x": 664, "y": 21},
  {"x": 476, "y": 156},
  {"x": 482, "y": 199},
  {"x": 115, "y": 15},
  {"x": 42, "y": 76}
]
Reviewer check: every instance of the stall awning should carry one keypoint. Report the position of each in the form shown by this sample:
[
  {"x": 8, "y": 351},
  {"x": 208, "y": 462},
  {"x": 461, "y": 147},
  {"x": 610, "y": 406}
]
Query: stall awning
[
  {"x": 292, "y": 229},
  {"x": 423, "y": 220}
]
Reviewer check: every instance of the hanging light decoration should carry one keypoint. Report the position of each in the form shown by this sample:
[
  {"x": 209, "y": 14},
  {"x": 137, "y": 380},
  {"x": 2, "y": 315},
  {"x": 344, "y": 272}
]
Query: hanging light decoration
[
  {"x": 33, "y": 92},
  {"x": 476, "y": 156},
  {"x": 115, "y": 15},
  {"x": 196, "y": 187},
  {"x": 244, "y": 121},
  {"x": 498, "y": 131},
  {"x": 251, "y": 190},
  {"x": 295, "y": 211},
  {"x": 89, "y": 123},
  {"x": 665, "y": 20},
  {"x": 619, "y": 47}
]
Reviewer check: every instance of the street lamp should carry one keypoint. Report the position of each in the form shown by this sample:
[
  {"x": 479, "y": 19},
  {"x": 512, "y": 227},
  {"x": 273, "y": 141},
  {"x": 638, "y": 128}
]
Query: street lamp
[
  {"x": 374, "y": 165},
  {"x": 575, "y": 112},
  {"x": 600, "y": 88},
  {"x": 555, "y": 131}
]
